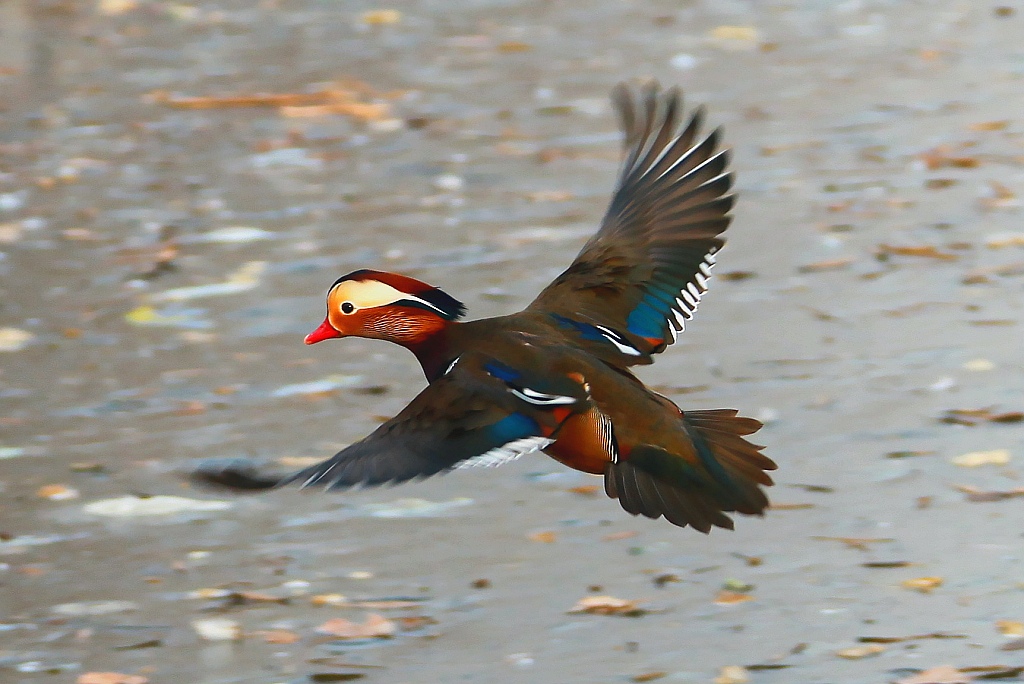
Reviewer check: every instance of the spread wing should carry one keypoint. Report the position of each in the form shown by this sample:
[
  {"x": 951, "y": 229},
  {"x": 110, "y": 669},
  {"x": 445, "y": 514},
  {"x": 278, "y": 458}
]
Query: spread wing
[
  {"x": 640, "y": 277},
  {"x": 481, "y": 412}
]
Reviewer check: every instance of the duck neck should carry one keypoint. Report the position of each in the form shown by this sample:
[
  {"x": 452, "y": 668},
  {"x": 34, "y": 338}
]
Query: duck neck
[{"x": 433, "y": 351}]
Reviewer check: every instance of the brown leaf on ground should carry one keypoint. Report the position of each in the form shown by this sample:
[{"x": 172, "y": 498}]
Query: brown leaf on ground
[
  {"x": 912, "y": 637},
  {"x": 546, "y": 537},
  {"x": 239, "y": 598},
  {"x": 884, "y": 251},
  {"x": 1010, "y": 627},
  {"x": 858, "y": 652},
  {"x": 944, "y": 156},
  {"x": 607, "y": 605},
  {"x": 1015, "y": 645},
  {"x": 736, "y": 275},
  {"x": 616, "y": 536},
  {"x": 979, "y": 416},
  {"x": 999, "y": 197},
  {"x": 826, "y": 265},
  {"x": 925, "y": 585},
  {"x": 859, "y": 543},
  {"x": 411, "y": 623},
  {"x": 110, "y": 678},
  {"x": 727, "y": 597},
  {"x": 277, "y": 636},
  {"x": 374, "y": 627},
  {"x": 383, "y": 604},
  {"x": 989, "y": 125},
  {"x": 347, "y": 101},
  {"x": 980, "y": 495},
  {"x": 649, "y": 676},
  {"x": 943, "y": 674},
  {"x": 585, "y": 490},
  {"x": 732, "y": 674},
  {"x": 979, "y": 276}
]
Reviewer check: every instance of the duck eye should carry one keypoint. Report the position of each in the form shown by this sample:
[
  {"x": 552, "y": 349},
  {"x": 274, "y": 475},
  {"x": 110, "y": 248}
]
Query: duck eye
[{"x": 347, "y": 307}]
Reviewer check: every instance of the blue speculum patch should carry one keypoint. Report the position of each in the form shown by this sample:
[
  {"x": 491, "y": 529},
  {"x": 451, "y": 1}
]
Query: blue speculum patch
[{"x": 514, "y": 426}]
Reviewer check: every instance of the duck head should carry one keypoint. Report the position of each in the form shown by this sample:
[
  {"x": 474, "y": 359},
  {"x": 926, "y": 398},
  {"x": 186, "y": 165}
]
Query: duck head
[{"x": 385, "y": 306}]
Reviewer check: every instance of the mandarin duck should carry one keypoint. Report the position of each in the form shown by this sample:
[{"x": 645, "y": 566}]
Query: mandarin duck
[{"x": 556, "y": 377}]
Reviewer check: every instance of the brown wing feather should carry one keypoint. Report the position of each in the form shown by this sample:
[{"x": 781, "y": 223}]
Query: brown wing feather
[{"x": 659, "y": 235}]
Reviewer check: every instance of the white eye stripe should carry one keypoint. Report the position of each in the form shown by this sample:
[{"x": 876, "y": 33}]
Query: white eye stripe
[
  {"x": 424, "y": 302},
  {"x": 506, "y": 452},
  {"x": 540, "y": 398}
]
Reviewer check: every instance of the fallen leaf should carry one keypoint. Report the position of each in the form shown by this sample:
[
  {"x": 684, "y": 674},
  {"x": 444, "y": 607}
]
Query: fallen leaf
[
  {"x": 886, "y": 564},
  {"x": 115, "y": 7},
  {"x": 912, "y": 637},
  {"x": 943, "y": 674},
  {"x": 1015, "y": 645},
  {"x": 1010, "y": 627},
  {"x": 826, "y": 265},
  {"x": 979, "y": 495},
  {"x": 607, "y": 605},
  {"x": 585, "y": 490},
  {"x": 510, "y": 46},
  {"x": 1005, "y": 240},
  {"x": 649, "y": 676},
  {"x": 998, "y": 196},
  {"x": 549, "y": 196},
  {"x": 385, "y": 604},
  {"x": 57, "y": 492},
  {"x": 374, "y": 627},
  {"x": 977, "y": 416},
  {"x": 909, "y": 454},
  {"x": 616, "y": 536},
  {"x": 857, "y": 652},
  {"x": 277, "y": 636},
  {"x": 732, "y": 674},
  {"x": 859, "y": 543},
  {"x": 110, "y": 678},
  {"x": 546, "y": 537},
  {"x": 884, "y": 250},
  {"x": 925, "y": 585},
  {"x": 411, "y": 623},
  {"x": 976, "y": 459},
  {"x": 329, "y": 600},
  {"x": 989, "y": 125},
  {"x": 736, "y": 275},
  {"x": 944, "y": 156},
  {"x": 381, "y": 17},
  {"x": 243, "y": 597},
  {"x": 729, "y": 598}
]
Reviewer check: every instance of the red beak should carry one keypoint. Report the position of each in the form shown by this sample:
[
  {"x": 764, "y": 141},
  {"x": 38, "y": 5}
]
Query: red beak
[{"x": 325, "y": 332}]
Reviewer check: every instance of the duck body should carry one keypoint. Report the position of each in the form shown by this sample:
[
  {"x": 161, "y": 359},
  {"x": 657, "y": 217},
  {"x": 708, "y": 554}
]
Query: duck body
[{"x": 556, "y": 376}]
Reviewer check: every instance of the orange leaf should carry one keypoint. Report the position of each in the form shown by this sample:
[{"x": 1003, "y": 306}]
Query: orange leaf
[
  {"x": 110, "y": 678},
  {"x": 374, "y": 627},
  {"x": 607, "y": 605},
  {"x": 728, "y": 598}
]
